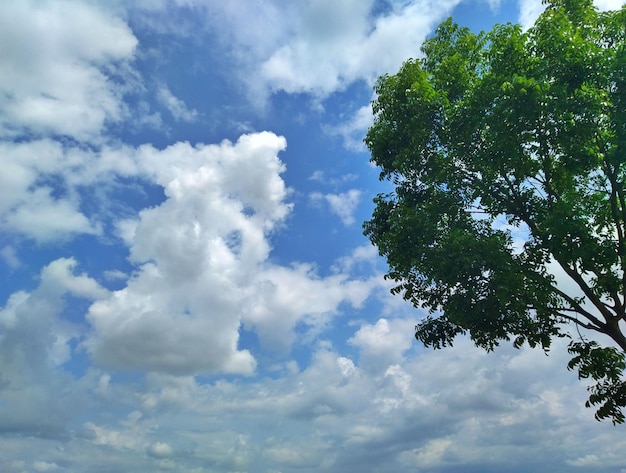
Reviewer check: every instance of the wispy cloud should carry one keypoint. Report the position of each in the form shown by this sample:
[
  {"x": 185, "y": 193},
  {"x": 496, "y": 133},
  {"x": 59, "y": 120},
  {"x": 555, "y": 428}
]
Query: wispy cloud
[{"x": 176, "y": 106}]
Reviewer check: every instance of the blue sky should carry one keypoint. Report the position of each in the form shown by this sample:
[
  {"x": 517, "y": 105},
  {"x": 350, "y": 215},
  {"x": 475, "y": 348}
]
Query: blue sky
[{"x": 184, "y": 281}]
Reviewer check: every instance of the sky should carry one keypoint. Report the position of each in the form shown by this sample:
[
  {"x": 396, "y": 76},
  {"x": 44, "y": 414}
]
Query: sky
[{"x": 185, "y": 285}]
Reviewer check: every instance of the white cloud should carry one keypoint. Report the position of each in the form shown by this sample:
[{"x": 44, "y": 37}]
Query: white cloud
[
  {"x": 384, "y": 343},
  {"x": 354, "y": 129},
  {"x": 36, "y": 394},
  {"x": 317, "y": 47},
  {"x": 65, "y": 67},
  {"x": 529, "y": 10},
  {"x": 344, "y": 415},
  {"x": 180, "y": 312},
  {"x": 160, "y": 450},
  {"x": 332, "y": 44},
  {"x": 317, "y": 176},
  {"x": 59, "y": 276},
  {"x": 285, "y": 296},
  {"x": 324, "y": 178},
  {"x": 128, "y": 435},
  {"x": 32, "y": 206},
  {"x": 443, "y": 410},
  {"x": 311, "y": 60},
  {"x": 9, "y": 256},
  {"x": 45, "y": 466},
  {"x": 206, "y": 271},
  {"x": 45, "y": 218},
  {"x": 609, "y": 4},
  {"x": 176, "y": 106},
  {"x": 365, "y": 254},
  {"x": 323, "y": 46},
  {"x": 53, "y": 58},
  {"x": 204, "y": 267},
  {"x": 114, "y": 274},
  {"x": 343, "y": 205},
  {"x": 195, "y": 277}
]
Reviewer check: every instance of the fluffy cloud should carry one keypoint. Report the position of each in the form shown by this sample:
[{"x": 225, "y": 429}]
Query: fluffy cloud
[
  {"x": 384, "y": 343},
  {"x": 285, "y": 296},
  {"x": 160, "y": 450},
  {"x": 318, "y": 47},
  {"x": 36, "y": 395},
  {"x": 332, "y": 44},
  {"x": 343, "y": 205},
  {"x": 440, "y": 410},
  {"x": 66, "y": 65},
  {"x": 36, "y": 200},
  {"x": 180, "y": 312},
  {"x": 58, "y": 60},
  {"x": 200, "y": 267},
  {"x": 201, "y": 275},
  {"x": 206, "y": 271}
]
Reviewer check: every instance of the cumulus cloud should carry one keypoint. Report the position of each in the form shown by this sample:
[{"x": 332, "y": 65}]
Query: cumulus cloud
[
  {"x": 160, "y": 450},
  {"x": 361, "y": 255},
  {"x": 285, "y": 296},
  {"x": 343, "y": 205},
  {"x": 180, "y": 312},
  {"x": 205, "y": 272},
  {"x": 384, "y": 343},
  {"x": 317, "y": 47},
  {"x": 59, "y": 277},
  {"x": 332, "y": 44},
  {"x": 44, "y": 209},
  {"x": 45, "y": 466},
  {"x": 66, "y": 65},
  {"x": 200, "y": 267},
  {"x": 130, "y": 433},
  {"x": 349, "y": 415},
  {"x": 338, "y": 413},
  {"x": 45, "y": 218},
  {"x": 37, "y": 396},
  {"x": 58, "y": 58},
  {"x": 324, "y": 46}
]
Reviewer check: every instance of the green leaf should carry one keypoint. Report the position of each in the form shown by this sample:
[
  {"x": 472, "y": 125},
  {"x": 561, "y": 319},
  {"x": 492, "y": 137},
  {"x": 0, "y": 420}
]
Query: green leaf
[{"x": 511, "y": 131}]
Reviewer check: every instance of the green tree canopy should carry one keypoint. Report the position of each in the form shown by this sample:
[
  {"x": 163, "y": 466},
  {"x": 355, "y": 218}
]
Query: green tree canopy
[{"x": 507, "y": 133}]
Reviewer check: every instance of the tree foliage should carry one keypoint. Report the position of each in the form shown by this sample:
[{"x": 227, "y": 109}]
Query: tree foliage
[{"x": 507, "y": 151}]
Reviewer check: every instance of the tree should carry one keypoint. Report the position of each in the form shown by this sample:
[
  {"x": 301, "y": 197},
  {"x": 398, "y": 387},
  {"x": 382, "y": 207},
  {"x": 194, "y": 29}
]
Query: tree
[{"x": 507, "y": 153}]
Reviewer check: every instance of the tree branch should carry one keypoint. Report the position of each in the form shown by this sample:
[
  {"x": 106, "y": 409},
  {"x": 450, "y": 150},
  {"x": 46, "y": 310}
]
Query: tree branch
[
  {"x": 593, "y": 298},
  {"x": 616, "y": 199},
  {"x": 576, "y": 307},
  {"x": 581, "y": 324}
]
